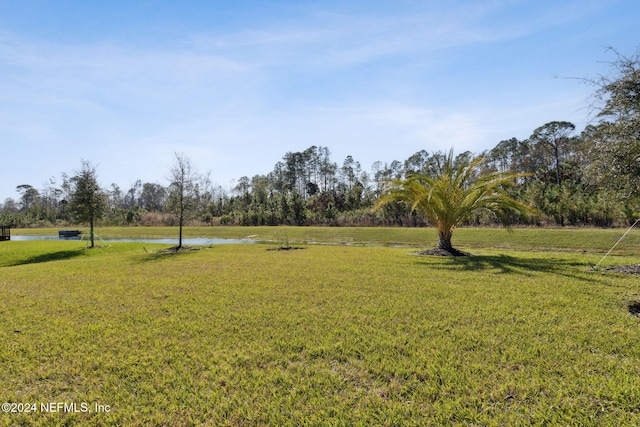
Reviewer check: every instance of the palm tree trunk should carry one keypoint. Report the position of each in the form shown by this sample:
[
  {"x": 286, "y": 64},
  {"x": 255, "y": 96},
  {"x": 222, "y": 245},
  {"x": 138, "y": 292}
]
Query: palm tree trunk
[{"x": 445, "y": 240}]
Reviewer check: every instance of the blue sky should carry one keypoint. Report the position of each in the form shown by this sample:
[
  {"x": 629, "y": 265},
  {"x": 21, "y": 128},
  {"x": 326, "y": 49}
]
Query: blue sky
[{"x": 236, "y": 84}]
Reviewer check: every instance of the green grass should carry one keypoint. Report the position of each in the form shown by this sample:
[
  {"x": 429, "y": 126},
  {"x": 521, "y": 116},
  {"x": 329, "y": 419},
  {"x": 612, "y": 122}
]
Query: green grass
[
  {"x": 540, "y": 239},
  {"x": 329, "y": 335}
]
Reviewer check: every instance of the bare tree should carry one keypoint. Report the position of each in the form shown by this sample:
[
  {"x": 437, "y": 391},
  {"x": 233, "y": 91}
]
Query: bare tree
[
  {"x": 616, "y": 137},
  {"x": 183, "y": 191}
]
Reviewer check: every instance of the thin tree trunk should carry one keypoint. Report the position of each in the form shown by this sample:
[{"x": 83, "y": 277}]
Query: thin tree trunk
[
  {"x": 180, "y": 233},
  {"x": 181, "y": 208},
  {"x": 558, "y": 175},
  {"x": 91, "y": 231}
]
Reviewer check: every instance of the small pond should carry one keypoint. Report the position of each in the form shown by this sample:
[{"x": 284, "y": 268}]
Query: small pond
[{"x": 185, "y": 241}]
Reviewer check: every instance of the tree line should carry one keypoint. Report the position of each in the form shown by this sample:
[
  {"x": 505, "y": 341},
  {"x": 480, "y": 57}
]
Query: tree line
[{"x": 572, "y": 178}]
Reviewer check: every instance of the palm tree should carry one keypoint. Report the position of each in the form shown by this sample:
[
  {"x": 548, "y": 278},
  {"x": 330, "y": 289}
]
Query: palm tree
[{"x": 455, "y": 190}]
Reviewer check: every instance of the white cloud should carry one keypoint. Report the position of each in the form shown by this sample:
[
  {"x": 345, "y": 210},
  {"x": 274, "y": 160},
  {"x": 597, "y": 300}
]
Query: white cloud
[{"x": 236, "y": 101}]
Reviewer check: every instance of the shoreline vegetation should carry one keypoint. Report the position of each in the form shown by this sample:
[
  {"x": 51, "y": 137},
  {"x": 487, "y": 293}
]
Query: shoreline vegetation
[{"x": 580, "y": 239}]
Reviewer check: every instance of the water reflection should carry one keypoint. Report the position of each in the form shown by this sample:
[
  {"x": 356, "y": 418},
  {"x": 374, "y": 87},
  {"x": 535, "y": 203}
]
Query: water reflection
[{"x": 185, "y": 241}]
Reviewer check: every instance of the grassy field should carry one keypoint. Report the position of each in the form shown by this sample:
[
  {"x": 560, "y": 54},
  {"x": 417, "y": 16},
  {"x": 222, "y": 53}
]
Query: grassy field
[
  {"x": 539, "y": 239},
  {"x": 522, "y": 333}
]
